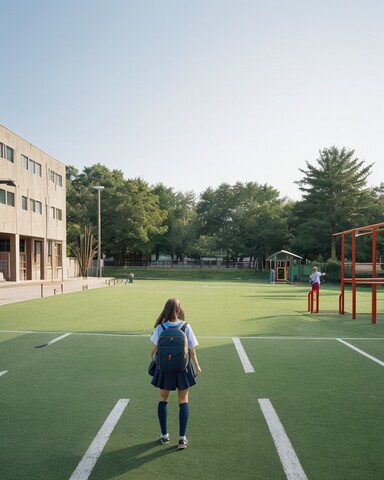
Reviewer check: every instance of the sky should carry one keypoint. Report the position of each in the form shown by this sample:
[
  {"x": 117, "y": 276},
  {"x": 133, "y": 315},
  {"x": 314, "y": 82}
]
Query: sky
[{"x": 195, "y": 93}]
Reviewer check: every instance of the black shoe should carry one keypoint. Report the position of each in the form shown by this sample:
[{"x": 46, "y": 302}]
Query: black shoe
[
  {"x": 182, "y": 444},
  {"x": 164, "y": 439}
]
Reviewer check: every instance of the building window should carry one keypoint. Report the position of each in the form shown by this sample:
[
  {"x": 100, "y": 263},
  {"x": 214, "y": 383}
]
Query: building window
[
  {"x": 37, "y": 251},
  {"x": 56, "y": 178},
  {"x": 59, "y": 258},
  {"x": 37, "y": 169},
  {"x": 23, "y": 245},
  {"x": 56, "y": 213},
  {"x": 49, "y": 253},
  {"x": 5, "y": 245},
  {"x": 24, "y": 161},
  {"x": 11, "y": 199},
  {"x": 9, "y": 153},
  {"x": 7, "y": 198},
  {"x": 36, "y": 206},
  {"x": 6, "y": 152},
  {"x": 24, "y": 203},
  {"x": 30, "y": 164}
]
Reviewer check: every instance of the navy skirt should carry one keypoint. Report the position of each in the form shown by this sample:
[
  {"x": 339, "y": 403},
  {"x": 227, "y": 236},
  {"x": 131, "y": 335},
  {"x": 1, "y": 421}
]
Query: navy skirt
[{"x": 174, "y": 380}]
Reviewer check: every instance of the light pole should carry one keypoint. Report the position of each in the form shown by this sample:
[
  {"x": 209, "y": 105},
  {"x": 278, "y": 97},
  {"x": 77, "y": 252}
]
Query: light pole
[{"x": 99, "y": 188}]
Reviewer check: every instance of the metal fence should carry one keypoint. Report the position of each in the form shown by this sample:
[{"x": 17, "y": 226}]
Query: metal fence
[{"x": 194, "y": 264}]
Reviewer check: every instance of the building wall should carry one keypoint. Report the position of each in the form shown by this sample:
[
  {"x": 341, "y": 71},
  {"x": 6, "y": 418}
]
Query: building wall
[{"x": 33, "y": 228}]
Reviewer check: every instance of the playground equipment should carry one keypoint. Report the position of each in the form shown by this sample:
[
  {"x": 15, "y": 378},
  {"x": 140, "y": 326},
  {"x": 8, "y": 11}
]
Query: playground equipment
[
  {"x": 374, "y": 280},
  {"x": 280, "y": 263},
  {"x": 313, "y": 295}
]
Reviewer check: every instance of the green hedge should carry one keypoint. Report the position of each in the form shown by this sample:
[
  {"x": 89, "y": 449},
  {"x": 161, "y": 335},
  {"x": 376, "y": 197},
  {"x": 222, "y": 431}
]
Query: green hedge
[
  {"x": 185, "y": 273},
  {"x": 333, "y": 271}
]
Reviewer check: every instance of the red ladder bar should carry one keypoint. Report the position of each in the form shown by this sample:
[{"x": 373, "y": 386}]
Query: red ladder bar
[{"x": 310, "y": 300}]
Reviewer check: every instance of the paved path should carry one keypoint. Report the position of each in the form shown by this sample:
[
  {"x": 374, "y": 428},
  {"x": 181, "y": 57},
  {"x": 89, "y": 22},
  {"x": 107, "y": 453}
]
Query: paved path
[{"x": 11, "y": 292}]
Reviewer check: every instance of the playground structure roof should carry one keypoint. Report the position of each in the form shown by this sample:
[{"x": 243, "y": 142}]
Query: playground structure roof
[{"x": 282, "y": 254}]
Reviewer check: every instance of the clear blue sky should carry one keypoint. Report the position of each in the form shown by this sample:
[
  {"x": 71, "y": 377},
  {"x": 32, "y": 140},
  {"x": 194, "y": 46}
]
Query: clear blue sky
[{"x": 196, "y": 93}]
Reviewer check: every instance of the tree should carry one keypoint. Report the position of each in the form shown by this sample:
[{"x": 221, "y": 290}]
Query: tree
[
  {"x": 80, "y": 207},
  {"x": 376, "y": 213},
  {"x": 180, "y": 236},
  {"x": 137, "y": 221},
  {"x": 373, "y": 216},
  {"x": 216, "y": 210},
  {"x": 130, "y": 212},
  {"x": 182, "y": 229},
  {"x": 335, "y": 198},
  {"x": 247, "y": 220},
  {"x": 85, "y": 251}
]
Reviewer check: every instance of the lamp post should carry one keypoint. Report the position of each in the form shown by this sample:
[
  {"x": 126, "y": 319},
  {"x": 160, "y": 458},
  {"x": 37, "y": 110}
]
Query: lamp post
[{"x": 99, "y": 188}]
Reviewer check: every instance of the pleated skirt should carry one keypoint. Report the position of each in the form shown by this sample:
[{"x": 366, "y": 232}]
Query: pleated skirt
[{"x": 174, "y": 380}]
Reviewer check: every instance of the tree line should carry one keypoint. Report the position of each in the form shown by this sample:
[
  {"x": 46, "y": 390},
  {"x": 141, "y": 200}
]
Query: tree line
[{"x": 244, "y": 220}]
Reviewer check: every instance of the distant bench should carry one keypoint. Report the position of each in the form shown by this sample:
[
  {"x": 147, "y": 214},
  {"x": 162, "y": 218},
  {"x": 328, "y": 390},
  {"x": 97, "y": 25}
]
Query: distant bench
[{"x": 57, "y": 287}]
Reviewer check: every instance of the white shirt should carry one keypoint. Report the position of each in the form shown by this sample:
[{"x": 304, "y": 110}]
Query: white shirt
[
  {"x": 315, "y": 277},
  {"x": 192, "y": 341}
]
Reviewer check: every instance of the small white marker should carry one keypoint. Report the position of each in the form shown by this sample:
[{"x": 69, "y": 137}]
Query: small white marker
[
  {"x": 58, "y": 338},
  {"x": 248, "y": 368},
  {"x": 3, "y": 372}
]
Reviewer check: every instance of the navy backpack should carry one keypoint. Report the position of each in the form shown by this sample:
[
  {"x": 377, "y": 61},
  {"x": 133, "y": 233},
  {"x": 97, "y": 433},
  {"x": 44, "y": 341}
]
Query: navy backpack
[{"x": 172, "y": 353}]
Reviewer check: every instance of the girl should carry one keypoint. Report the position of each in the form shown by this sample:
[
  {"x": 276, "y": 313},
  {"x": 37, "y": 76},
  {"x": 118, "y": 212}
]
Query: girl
[{"x": 172, "y": 315}]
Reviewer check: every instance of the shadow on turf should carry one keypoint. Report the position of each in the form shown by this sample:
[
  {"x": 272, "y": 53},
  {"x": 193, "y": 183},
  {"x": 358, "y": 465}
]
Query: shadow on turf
[
  {"x": 131, "y": 458},
  {"x": 290, "y": 296}
]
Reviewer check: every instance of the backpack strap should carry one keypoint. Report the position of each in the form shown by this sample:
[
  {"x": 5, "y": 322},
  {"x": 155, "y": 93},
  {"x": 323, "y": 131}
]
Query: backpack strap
[{"x": 182, "y": 327}]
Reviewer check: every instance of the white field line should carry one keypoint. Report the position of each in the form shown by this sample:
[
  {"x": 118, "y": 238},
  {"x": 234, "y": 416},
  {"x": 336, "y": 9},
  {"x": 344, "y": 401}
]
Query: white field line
[
  {"x": 374, "y": 359},
  {"x": 147, "y": 335},
  {"x": 17, "y": 331},
  {"x": 58, "y": 338},
  {"x": 3, "y": 372},
  {"x": 291, "y": 464},
  {"x": 88, "y": 462},
  {"x": 248, "y": 368},
  {"x": 87, "y": 334}
]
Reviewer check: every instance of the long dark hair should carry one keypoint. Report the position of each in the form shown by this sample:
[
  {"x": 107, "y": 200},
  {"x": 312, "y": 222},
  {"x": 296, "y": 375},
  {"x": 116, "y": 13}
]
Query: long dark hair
[{"x": 172, "y": 311}]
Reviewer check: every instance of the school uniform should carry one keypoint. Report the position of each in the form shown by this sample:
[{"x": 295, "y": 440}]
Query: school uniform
[{"x": 174, "y": 380}]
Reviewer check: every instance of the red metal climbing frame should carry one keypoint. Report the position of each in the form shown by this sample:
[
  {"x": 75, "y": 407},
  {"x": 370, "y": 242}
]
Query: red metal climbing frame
[
  {"x": 313, "y": 296},
  {"x": 372, "y": 230}
]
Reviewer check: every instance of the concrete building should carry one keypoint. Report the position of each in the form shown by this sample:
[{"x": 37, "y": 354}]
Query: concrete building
[{"x": 32, "y": 212}]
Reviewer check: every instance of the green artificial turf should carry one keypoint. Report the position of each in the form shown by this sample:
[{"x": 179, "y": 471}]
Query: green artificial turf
[{"x": 54, "y": 399}]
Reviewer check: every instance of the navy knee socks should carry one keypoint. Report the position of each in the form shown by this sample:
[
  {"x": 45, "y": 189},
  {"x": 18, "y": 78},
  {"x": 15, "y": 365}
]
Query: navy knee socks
[
  {"x": 162, "y": 413},
  {"x": 183, "y": 418}
]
